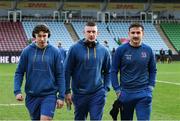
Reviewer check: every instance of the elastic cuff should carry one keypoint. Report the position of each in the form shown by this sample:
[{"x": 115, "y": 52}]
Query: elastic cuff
[
  {"x": 61, "y": 98},
  {"x": 68, "y": 91},
  {"x": 17, "y": 92},
  {"x": 118, "y": 91},
  {"x": 151, "y": 88},
  {"x": 107, "y": 89}
]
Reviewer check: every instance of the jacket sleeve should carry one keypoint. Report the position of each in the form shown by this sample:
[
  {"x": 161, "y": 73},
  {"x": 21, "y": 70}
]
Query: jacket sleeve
[
  {"x": 152, "y": 70},
  {"x": 19, "y": 73},
  {"x": 107, "y": 71},
  {"x": 115, "y": 69},
  {"x": 59, "y": 76},
  {"x": 68, "y": 65}
]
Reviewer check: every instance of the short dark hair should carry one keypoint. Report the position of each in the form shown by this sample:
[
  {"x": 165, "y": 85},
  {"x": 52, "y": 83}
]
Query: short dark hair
[
  {"x": 41, "y": 27},
  {"x": 90, "y": 23},
  {"x": 136, "y": 25}
]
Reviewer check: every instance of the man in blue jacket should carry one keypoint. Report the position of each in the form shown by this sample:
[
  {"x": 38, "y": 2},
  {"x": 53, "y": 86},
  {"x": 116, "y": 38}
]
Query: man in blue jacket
[
  {"x": 88, "y": 64},
  {"x": 42, "y": 65},
  {"x": 62, "y": 50},
  {"x": 137, "y": 66}
]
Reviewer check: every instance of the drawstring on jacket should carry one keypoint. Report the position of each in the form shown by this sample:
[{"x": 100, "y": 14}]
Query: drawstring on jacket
[
  {"x": 94, "y": 52},
  {"x": 36, "y": 54},
  {"x": 43, "y": 54}
]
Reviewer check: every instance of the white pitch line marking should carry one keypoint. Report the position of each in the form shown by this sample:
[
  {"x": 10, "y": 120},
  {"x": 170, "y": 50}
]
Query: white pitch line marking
[
  {"x": 12, "y": 104},
  {"x": 168, "y": 82}
]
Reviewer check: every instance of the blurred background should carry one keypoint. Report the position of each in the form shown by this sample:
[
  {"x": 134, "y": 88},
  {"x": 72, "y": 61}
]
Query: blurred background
[{"x": 66, "y": 18}]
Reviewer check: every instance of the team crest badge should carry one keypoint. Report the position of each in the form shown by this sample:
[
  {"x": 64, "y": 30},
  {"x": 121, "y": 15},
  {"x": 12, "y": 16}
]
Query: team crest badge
[{"x": 143, "y": 54}]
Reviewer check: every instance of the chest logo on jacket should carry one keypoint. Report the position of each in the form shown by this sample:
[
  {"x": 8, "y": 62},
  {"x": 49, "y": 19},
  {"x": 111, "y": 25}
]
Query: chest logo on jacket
[
  {"x": 143, "y": 54},
  {"x": 128, "y": 57}
]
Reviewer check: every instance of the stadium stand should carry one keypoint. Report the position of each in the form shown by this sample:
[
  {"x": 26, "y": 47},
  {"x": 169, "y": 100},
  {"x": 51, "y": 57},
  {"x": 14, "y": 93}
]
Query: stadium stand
[
  {"x": 118, "y": 30},
  {"x": 171, "y": 30},
  {"x": 104, "y": 34},
  {"x": 18, "y": 18},
  {"x": 12, "y": 37},
  {"x": 151, "y": 36},
  {"x": 58, "y": 30}
]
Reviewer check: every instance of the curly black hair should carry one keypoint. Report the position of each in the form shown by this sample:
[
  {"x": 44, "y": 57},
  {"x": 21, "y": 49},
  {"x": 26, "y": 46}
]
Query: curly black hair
[{"x": 41, "y": 27}]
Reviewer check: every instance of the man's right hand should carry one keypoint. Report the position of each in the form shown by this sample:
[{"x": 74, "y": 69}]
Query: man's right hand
[
  {"x": 118, "y": 94},
  {"x": 68, "y": 99},
  {"x": 19, "y": 97}
]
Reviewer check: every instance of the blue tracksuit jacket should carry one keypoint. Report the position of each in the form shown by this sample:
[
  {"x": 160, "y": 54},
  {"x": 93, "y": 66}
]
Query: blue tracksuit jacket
[
  {"x": 137, "y": 68},
  {"x": 43, "y": 69},
  {"x": 88, "y": 67}
]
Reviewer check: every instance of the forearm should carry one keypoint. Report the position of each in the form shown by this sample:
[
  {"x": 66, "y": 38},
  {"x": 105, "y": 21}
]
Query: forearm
[
  {"x": 61, "y": 88},
  {"x": 18, "y": 79},
  {"x": 67, "y": 82}
]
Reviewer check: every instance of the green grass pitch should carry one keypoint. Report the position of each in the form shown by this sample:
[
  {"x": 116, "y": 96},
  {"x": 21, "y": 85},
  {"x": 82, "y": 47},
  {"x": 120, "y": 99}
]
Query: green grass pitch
[{"x": 166, "y": 96}]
